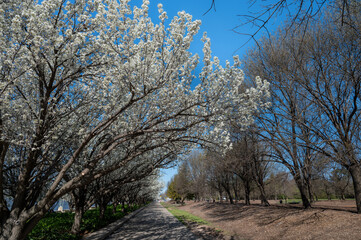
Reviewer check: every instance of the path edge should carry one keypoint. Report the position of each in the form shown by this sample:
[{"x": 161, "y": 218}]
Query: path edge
[{"x": 108, "y": 230}]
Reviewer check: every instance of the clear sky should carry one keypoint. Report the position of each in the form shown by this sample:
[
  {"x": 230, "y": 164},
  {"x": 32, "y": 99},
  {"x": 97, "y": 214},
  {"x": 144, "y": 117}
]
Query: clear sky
[{"x": 218, "y": 24}]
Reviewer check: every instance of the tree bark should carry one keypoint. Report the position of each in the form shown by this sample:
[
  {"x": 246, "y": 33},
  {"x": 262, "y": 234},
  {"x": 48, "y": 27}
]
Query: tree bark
[
  {"x": 11, "y": 230},
  {"x": 102, "y": 209},
  {"x": 115, "y": 204},
  {"x": 355, "y": 172},
  {"x": 220, "y": 196},
  {"x": 123, "y": 207},
  {"x": 262, "y": 191},
  {"x": 247, "y": 192},
  {"x": 229, "y": 196},
  {"x": 236, "y": 197},
  {"x": 4, "y": 211},
  {"x": 305, "y": 202},
  {"x": 309, "y": 189},
  {"x": 79, "y": 199},
  {"x": 79, "y": 212},
  {"x": 18, "y": 229},
  {"x": 21, "y": 221}
]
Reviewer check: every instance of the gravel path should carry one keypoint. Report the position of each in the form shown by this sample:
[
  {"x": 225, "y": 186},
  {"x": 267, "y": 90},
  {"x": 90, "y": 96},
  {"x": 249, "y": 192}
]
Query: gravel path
[{"x": 154, "y": 222}]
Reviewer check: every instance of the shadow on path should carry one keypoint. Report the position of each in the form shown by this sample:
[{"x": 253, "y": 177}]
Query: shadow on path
[{"x": 154, "y": 222}]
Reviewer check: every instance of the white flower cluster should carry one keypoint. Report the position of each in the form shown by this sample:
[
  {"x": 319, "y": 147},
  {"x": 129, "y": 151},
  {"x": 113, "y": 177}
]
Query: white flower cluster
[{"x": 98, "y": 74}]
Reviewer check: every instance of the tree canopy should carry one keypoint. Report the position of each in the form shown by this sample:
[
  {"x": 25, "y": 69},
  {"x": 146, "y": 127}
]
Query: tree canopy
[{"x": 87, "y": 87}]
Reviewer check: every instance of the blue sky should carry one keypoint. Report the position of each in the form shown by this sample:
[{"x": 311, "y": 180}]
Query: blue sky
[{"x": 218, "y": 24}]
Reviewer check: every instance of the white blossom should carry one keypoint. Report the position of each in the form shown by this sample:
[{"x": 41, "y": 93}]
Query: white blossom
[{"x": 106, "y": 85}]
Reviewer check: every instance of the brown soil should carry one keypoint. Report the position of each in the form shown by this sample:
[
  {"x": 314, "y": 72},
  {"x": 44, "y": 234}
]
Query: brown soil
[
  {"x": 206, "y": 232},
  {"x": 326, "y": 220}
]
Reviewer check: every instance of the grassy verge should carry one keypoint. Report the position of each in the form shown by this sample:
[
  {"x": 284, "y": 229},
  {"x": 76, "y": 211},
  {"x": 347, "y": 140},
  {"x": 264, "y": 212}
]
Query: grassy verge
[
  {"x": 57, "y": 226},
  {"x": 193, "y": 222},
  {"x": 183, "y": 216}
]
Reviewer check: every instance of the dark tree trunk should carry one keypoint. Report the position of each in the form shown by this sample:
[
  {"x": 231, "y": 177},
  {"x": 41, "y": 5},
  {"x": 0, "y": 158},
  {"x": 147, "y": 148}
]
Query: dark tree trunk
[
  {"x": 309, "y": 190},
  {"x": 102, "y": 209},
  {"x": 79, "y": 202},
  {"x": 79, "y": 212},
  {"x": 12, "y": 229},
  {"x": 355, "y": 172},
  {"x": 115, "y": 204},
  {"x": 123, "y": 206},
  {"x": 220, "y": 196},
  {"x": 101, "y": 212},
  {"x": 305, "y": 202},
  {"x": 343, "y": 196},
  {"x": 4, "y": 211},
  {"x": 236, "y": 197},
  {"x": 263, "y": 197},
  {"x": 260, "y": 184},
  {"x": 230, "y": 196},
  {"x": 247, "y": 192},
  {"x": 19, "y": 228}
]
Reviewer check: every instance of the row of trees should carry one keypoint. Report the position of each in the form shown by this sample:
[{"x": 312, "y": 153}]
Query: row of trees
[
  {"x": 315, "y": 84},
  {"x": 94, "y": 95},
  {"x": 313, "y": 125},
  {"x": 125, "y": 185},
  {"x": 208, "y": 176}
]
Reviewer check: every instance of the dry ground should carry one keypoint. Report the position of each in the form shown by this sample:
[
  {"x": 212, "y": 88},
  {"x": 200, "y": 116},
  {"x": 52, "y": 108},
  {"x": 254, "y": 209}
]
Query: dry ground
[{"x": 325, "y": 221}]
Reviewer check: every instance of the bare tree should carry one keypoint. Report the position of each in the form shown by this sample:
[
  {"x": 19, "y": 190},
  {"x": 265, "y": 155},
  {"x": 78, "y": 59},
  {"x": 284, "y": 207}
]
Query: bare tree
[
  {"x": 333, "y": 81},
  {"x": 284, "y": 125},
  {"x": 182, "y": 182},
  {"x": 198, "y": 174},
  {"x": 219, "y": 177},
  {"x": 341, "y": 180},
  {"x": 299, "y": 12},
  {"x": 260, "y": 165},
  {"x": 316, "y": 81},
  {"x": 238, "y": 161}
]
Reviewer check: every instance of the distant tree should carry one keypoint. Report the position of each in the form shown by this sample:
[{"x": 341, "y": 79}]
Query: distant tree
[
  {"x": 198, "y": 176},
  {"x": 340, "y": 180},
  {"x": 171, "y": 192},
  {"x": 182, "y": 182},
  {"x": 280, "y": 185},
  {"x": 239, "y": 162},
  {"x": 214, "y": 168},
  {"x": 260, "y": 165}
]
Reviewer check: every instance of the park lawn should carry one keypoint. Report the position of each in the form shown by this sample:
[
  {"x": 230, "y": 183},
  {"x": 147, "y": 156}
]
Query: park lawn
[{"x": 57, "y": 225}]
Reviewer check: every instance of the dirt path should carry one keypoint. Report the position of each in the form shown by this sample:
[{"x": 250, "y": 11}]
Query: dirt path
[
  {"x": 154, "y": 222},
  {"x": 279, "y": 222}
]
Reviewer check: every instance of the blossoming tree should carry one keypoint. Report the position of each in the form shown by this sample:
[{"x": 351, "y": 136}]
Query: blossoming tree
[{"x": 83, "y": 79}]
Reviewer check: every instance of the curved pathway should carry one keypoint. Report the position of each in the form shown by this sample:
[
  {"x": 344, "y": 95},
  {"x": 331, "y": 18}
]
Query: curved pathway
[{"x": 153, "y": 222}]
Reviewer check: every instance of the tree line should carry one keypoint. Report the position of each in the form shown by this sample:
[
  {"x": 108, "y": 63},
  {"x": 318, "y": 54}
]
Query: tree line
[
  {"x": 312, "y": 127},
  {"x": 246, "y": 176}
]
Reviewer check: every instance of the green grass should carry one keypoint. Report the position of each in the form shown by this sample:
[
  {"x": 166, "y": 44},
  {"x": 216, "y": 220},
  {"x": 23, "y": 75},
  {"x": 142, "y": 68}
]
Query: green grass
[
  {"x": 54, "y": 226},
  {"x": 184, "y": 216},
  {"x": 57, "y": 225}
]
